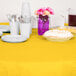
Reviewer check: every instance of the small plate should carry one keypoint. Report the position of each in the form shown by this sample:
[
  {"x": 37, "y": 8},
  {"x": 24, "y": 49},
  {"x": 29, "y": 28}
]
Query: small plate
[
  {"x": 5, "y": 28},
  {"x": 14, "y": 38}
]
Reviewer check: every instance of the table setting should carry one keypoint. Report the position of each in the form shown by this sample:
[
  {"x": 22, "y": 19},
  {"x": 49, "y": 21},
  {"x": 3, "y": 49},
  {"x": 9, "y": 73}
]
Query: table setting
[
  {"x": 20, "y": 26},
  {"x": 48, "y": 50}
]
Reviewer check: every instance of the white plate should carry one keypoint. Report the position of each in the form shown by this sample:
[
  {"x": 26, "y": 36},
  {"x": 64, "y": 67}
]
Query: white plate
[
  {"x": 4, "y": 28},
  {"x": 58, "y": 35},
  {"x": 14, "y": 38}
]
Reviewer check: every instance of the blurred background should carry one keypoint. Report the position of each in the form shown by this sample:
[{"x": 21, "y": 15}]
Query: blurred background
[{"x": 14, "y": 7}]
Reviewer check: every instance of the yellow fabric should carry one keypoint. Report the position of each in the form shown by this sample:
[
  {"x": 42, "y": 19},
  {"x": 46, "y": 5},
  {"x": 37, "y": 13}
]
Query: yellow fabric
[
  {"x": 38, "y": 57},
  {"x": 7, "y": 23}
]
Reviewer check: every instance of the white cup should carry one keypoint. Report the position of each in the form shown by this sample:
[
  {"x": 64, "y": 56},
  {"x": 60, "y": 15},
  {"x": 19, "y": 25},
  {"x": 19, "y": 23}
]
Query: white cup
[
  {"x": 25, "y": 29},
  {"x": 14, "y": 28}
]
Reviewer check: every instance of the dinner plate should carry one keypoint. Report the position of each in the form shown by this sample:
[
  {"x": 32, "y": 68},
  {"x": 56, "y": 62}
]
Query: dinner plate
[
  {"x": 5, "y": 28},
  {"x": 14, "y": 38},
  {"x": 58, "y": 35}
]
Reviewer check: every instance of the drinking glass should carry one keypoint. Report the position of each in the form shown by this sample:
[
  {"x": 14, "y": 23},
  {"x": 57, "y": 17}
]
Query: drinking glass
[
  {"x": 72, "y": 17},
  {"x": 59, "y": 20}
]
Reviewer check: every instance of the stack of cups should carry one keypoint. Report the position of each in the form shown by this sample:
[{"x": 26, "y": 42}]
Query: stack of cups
[{"x": 25, "y": 23}]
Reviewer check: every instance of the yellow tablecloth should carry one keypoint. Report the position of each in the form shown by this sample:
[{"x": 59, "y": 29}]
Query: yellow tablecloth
[{"x": 38, "y": 57}]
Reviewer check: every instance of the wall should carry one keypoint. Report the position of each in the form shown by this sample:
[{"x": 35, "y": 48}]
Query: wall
[{"x": 14, "y": 7}]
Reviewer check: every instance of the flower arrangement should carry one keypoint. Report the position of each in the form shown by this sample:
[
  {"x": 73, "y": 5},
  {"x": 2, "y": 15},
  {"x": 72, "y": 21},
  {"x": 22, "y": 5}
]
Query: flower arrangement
[
  {"x": 43, "y": 19},
  {"x": 44, "y": 11}
]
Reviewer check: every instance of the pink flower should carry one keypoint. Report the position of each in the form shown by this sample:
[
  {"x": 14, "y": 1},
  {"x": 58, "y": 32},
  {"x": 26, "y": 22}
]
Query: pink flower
[
  {"x": 50, "y": 10},
  {"x": 45, "y": 11},
  {"x": 40, "y": 11}
]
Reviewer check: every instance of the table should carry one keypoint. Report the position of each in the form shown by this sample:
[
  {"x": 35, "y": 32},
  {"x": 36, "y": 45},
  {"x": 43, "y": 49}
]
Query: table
[{"x": 38, "y": 57}]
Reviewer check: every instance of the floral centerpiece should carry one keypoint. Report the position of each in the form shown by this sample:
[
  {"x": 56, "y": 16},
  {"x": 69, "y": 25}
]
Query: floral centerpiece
[{"x": 43, "y": 19}]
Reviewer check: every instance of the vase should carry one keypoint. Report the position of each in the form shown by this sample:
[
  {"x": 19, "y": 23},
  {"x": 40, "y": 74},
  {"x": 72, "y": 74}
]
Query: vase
[
  {"x": 43, "y": 24},
  {"x": 26, "y": 12}
]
